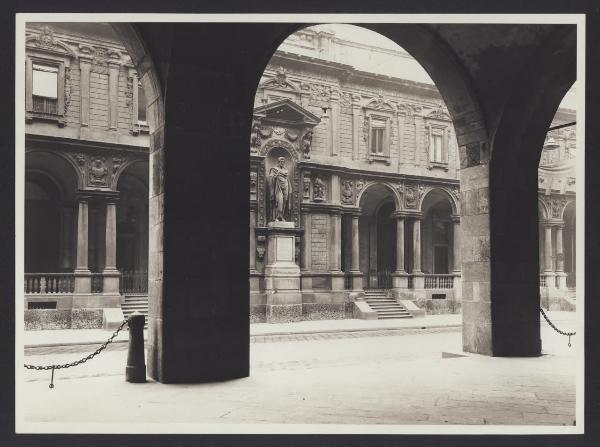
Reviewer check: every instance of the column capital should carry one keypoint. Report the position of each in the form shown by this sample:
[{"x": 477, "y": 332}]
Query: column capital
[
  {"x": 553, "y": 223},
  {"x": 403, "y": 214},
  {"x": 354, "y": 212},
  {"x": 84, "y": 195}
]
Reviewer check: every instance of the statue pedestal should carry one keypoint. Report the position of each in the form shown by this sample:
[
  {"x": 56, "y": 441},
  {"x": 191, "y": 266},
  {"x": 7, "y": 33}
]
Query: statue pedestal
[{"x": 282, "y": 274}]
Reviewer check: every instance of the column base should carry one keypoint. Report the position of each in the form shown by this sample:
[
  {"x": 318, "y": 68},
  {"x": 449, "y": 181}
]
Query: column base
[
  {"x": 400, "y": 280},
  {"x": 418, "y": 280},
  {"x": 550, "y": 280},
  {"x": 357, "y": 280},
  {"x": 561, "y": 281},
  {"x": 111, "y": 281},
  {"x": 337, "y": 280},
  {"x": 83, "y": 281}
]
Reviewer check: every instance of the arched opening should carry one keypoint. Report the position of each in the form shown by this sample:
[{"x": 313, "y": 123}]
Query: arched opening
[
  {"x": 377, "y": 235},
  {"x": 437, "y": 230},
  {"x": 43, "y": 204},
  {"x": 132, "y": 229},
  {"x": 365, "y": 151},
  {"x": 557, "y": 175},
  {"x": 50, "y": 214},
  {"x": 217, "y": 128}
]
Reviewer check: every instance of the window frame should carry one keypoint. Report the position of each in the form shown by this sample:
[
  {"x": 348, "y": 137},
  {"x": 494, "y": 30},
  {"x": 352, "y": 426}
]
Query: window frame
[
  {"x": 62, "y": 63},
  {"x": 137, "y": 126},
  {"x": 384, "y": 117},
  {"x": 440, "y": 129}
]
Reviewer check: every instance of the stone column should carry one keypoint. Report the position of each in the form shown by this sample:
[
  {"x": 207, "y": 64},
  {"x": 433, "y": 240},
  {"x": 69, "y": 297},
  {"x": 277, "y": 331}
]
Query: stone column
[
  {"x": 355, "y": 267},
  {"x": 400, "y": 245},
  {"x": 549, "y": 269},
  {"x": 399, "y": 277},
  {"x": 560, "y": 257},
  {"x": 83, "y": 276},
  {"x": 456, "y": 243},
  {"x": 84, "y": 82},
  {"x": 419, "y": 279},
  {"x": 113, "y": 95},
  {"x": 335, "y": 242},
  {"x": 548, "y": 247},
  {"x": 335, "y": 252},
  {"x": 456, "y": 252},
  {"x": 110, "y": 273},
  {"x": 306, "y": 265},
  {"x": 357, "y": 276}
]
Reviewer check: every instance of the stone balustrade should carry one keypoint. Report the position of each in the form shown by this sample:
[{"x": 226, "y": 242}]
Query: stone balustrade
[{"x": 37, "y": 283}]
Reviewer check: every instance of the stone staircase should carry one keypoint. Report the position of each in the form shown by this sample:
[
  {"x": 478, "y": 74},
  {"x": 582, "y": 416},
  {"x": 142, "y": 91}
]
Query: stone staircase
[
  {"x": 571, "y": 293},
  {"x": 384, "y": 306},
  {"x": 133, "y": 303}
]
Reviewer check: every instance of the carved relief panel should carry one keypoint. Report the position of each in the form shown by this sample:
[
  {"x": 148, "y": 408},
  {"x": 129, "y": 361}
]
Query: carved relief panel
[{"x": 347, "y": 192}]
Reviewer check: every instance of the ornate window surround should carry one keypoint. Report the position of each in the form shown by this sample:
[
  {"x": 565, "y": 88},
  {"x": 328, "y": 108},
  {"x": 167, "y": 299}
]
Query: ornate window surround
[
  {"x": 386, "y": 118},
  {"x": 438, "y": 123},
  {"x": 134, "y": 84},
  {"x": 379, "y": 109},
  {"x": 62, "y": 61}
]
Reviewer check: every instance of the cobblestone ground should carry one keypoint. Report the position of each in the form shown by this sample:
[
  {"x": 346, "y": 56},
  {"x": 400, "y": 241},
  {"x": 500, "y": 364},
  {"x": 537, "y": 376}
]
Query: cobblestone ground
[{"x": 376, "y": 377}]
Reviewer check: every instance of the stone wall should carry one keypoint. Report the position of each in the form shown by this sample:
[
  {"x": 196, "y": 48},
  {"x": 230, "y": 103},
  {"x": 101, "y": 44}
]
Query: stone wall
[{"x": 319, "y": 241}]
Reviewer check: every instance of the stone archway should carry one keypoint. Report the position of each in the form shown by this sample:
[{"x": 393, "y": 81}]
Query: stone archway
[
  {"x": 513, "y": 199},
  {"x": 208, "y": 133},
  {"x": 377, "y": 235}
]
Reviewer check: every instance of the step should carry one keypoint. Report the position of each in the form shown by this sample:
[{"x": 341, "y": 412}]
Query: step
[
  {"x": 387, "y": 308},
  {"x": 389, "y": 317}
]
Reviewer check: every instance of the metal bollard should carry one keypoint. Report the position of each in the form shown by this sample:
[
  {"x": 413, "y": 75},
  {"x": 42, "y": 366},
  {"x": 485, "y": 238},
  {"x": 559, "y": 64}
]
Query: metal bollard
[{"x": 135, "y": 372}]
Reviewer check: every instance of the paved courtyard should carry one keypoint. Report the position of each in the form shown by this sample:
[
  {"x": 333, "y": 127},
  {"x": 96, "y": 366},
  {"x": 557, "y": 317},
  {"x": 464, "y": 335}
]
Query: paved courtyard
[{"x": 376, "y": 377}]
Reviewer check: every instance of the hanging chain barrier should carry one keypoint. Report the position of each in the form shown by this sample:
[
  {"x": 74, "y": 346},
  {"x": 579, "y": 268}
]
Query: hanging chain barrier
[
  {"x": 568, "y": 334},
  {"x": 80, "y": 361}
]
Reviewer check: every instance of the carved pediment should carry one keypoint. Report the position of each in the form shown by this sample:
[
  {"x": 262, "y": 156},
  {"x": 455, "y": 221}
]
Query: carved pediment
[
  {"x": 439, "y": 113},
  {"x": 380, "y": 103},
  {"x": 280, "y": 82},
  {"x": 286, "y": 112},
  {"x": 46, "y": 41}
]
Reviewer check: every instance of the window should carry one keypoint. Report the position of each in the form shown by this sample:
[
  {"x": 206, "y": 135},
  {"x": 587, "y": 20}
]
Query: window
[
  {"x": 377, "y": 135},
  {"x": 437, "y": 137},
  {"x": 45, "y": 88},
  {"x": 435, "y": 154},
  {"x": 141, "y": 105}
]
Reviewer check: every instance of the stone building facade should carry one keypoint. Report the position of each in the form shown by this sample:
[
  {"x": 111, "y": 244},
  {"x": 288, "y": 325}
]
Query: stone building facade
[
  {"x": 366, "y": 197},
  {"x": 374, "y": 200},
  {"x": 86, "y": 179},
  {"x": 557, "y": 186}
]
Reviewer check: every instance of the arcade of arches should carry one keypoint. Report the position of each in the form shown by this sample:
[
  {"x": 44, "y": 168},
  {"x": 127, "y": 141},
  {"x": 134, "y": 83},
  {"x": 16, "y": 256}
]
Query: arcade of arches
[{"x": 508, "y": 85}]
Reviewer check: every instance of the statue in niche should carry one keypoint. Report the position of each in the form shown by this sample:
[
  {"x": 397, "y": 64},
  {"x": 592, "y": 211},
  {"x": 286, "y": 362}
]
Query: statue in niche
[
  {"x": 280, "y": 191},
  {"x": 318, "y": 190},
  {"x": 306, "y": 143}
]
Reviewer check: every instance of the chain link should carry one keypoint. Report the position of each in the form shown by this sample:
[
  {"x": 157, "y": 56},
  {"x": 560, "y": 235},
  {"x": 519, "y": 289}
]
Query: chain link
[
  {"x": 568, "y": 334},
  {"x": 80, "y": 361}
]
